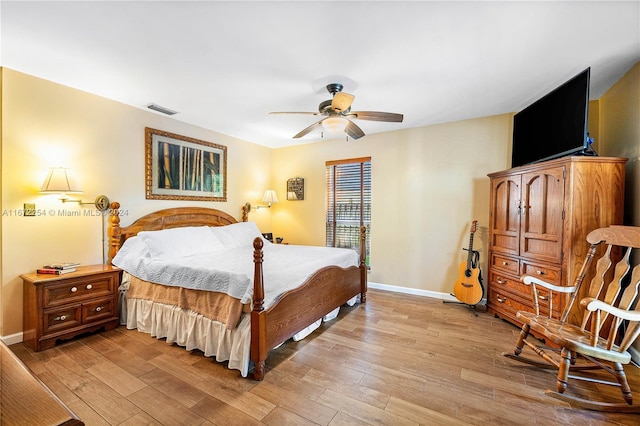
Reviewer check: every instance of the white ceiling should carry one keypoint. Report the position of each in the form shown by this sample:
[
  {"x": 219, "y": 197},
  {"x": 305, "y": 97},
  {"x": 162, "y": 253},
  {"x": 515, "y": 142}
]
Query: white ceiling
[{"x": 225, "y": 65}]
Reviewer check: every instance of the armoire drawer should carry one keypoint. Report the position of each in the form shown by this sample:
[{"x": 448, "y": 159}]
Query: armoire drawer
[
  {"x": 507, "y": 264},
  {"x": 508, "y": 296},
  {"x": 550, "y": 274}
]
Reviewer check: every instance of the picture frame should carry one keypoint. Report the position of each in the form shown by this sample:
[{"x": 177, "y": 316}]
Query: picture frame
[
  {"x": 295, "y": 189},
  {"x": 182, "y": 168}
]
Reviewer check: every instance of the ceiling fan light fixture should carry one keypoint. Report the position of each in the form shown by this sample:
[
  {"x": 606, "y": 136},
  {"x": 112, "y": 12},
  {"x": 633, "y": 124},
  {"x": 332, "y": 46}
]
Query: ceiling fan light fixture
[{"x": 334, "y": 124}]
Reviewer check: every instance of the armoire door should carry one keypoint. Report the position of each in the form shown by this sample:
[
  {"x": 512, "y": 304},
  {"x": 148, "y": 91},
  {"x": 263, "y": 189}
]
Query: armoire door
[
  {"x": 505, "y": 215},
  {"x": 542, "y": 214}
]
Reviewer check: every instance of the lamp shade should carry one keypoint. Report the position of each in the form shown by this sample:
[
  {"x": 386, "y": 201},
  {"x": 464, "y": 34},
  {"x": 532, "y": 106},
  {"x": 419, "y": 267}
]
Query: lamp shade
[
  {"x": 334, "y": 124},
  {"x": 269, "y": 196},
  {"x": 61, "y": 180}
]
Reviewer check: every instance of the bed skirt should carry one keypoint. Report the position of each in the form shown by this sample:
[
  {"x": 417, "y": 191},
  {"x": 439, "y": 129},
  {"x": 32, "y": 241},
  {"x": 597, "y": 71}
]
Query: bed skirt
[{"x": 193, "y": 331}]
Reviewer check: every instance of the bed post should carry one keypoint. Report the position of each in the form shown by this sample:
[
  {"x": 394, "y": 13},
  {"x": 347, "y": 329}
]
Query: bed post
[
  {"x": 113, "y": 232},
  {"x": 245, "y": 212},
  {"x": 363, "y": 264},
  {"x": 258, "y": 326}
]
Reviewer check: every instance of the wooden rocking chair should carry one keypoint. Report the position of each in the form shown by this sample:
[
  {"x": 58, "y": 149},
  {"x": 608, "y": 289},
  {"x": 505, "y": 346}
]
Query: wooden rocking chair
[{"x": 581, "y": 348}]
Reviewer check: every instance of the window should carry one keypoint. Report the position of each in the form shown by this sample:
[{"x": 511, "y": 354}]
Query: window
[{"x": 349, "y": 203}]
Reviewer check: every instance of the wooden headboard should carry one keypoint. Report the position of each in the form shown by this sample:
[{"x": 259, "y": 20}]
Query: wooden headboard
[{"x": 164, "y": 219}]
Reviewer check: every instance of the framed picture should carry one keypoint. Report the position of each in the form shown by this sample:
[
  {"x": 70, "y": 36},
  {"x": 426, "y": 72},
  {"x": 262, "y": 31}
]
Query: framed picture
[
  {"x": 295, "y": 189},
  {"x": 182, "y": 168}
]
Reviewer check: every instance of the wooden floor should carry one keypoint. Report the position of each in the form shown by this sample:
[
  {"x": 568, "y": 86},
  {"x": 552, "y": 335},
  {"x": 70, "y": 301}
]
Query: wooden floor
[{"x": 396, "y": 360}]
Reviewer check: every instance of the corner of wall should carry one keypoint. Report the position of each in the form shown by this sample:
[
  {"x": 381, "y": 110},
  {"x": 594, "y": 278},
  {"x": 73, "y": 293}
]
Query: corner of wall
[
  {"x": 593, "y": 125},
  {"x": 1, "y": 98}
]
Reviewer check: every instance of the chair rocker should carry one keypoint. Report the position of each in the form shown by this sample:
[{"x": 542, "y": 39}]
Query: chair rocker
[{"x": 580, "y": 347}]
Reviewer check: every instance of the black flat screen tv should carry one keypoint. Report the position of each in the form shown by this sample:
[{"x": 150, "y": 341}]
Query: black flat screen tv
[{"x": 555, "y": 125}]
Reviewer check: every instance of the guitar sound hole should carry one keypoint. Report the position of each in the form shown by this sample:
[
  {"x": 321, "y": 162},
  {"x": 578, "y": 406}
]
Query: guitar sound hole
[{"x": 467, "y": 273}]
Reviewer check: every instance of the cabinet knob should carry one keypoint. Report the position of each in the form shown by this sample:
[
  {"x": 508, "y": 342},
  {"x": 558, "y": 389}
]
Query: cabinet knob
[
  {"x": 541, "y": 297},
  {"x": 99, "y": 308},
  {"x": 505, "y": 263},
  {"x": 540, "y": 272},
  {"x": 89, "y": 286},
  {"x": 501, "y": 299},
  {"x": 501, "y": 280},
  {"x": 74, "y": 289},
  {"x": 61, "y": 318}
]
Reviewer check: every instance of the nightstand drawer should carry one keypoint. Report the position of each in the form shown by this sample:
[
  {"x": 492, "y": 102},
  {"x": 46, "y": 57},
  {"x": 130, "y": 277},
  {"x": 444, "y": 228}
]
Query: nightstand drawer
[
  {"x": 61, "y": 319},
  {"x": 78, "y": 289},
  {"x": 97, "y": 310}
]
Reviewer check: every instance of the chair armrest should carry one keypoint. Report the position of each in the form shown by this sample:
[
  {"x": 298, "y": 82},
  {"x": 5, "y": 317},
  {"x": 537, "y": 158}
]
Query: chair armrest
[
  {"x": 595, "y": 304},
  {"x": 528, "y": 279}
]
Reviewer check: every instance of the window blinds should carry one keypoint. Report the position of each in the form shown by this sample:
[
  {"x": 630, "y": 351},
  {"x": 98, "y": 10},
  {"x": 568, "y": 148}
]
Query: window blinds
[{"x": 348, "y": 202}]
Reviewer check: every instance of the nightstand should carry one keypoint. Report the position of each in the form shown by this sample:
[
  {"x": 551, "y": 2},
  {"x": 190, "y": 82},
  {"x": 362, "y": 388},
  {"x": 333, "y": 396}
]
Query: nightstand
[{"x": 57, "y": 307}]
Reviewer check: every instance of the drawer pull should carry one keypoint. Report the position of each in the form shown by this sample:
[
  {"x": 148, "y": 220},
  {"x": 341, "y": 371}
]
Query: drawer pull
[
  {"x": 541, "y": 297},
  {"x": 74, "y": 289},
  {"x": 505, "y": 263},
  {"x": 89, "y": 286},
  {"x": 501, "y": 299},
  {"x": 99, "y": 308},
  {"x": 540, "y": 272},
  {"x": 61, "y": 318},
  {"x": 501, "y": 280}
]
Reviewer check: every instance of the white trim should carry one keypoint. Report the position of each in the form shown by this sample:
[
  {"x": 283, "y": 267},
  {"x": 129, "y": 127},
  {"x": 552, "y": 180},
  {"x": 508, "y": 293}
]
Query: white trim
[
  {"x": 417, "y": 292},
  {"x": 12, "y": 339}
]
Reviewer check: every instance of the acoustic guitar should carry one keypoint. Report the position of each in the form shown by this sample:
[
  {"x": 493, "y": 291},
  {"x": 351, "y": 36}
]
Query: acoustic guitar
[{"x": 468, "y": 288}]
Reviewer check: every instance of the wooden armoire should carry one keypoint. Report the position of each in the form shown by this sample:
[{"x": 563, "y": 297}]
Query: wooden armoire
[{"x": 540, "y": 215}]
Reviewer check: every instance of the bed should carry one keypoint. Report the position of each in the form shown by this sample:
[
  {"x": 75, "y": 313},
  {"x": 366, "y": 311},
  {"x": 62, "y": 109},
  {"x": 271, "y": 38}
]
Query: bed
[{"x": 264, "y": 320}]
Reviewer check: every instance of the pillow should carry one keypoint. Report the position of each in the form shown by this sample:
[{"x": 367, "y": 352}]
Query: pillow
[
  {"x": 236, "y": 235},
  {"x": 132, "y": 253},
  {"x": 180, "y": 242}
]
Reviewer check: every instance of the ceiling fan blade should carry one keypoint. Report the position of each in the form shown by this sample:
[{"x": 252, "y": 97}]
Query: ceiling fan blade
[
  {"x": 353, "y": 130},
  {"x": 308, "y": 129},
  {"x": 295, "y": 112},
  {"x": 377, "y": 116},
  {"x": 342, "y": 101}
]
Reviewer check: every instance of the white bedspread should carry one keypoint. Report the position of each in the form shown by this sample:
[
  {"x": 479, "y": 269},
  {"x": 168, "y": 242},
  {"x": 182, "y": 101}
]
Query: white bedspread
[{"x": 230, "y": 270}]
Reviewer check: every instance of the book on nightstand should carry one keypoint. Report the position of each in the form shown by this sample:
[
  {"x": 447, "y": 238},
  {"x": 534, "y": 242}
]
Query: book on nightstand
[
  {"x": 62, "y": 265},
  {"x": 54, "y": 271}
]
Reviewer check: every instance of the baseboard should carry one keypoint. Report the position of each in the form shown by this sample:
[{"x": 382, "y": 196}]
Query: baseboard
[
  {"x": 417, "y": 292},
  {"x": 12, "y": 339},
  {"x": 17, "y": 338}
]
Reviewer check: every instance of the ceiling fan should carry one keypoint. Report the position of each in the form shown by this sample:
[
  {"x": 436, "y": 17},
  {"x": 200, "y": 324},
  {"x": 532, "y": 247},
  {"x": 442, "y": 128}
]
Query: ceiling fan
[{"x": 337, "y": 113}]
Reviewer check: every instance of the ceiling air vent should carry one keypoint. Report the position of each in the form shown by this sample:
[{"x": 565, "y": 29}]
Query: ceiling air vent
[{"x": 161, "y": 109}]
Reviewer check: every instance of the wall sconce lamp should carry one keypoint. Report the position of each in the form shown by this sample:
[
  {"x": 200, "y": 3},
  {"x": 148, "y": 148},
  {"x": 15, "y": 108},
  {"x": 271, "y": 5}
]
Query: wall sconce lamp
[
  {"x": 61, "y": 180},
  {"x": 268, "y": 197}
]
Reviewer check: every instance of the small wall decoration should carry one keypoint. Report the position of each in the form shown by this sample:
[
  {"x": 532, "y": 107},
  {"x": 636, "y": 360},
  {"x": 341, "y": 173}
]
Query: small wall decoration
[
  {"x": 182, "y": 168},
  {"x": 295, "y": 189}
]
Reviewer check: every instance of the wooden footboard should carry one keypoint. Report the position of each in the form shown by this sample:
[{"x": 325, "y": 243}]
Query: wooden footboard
[{"x": 324, "y": 291}]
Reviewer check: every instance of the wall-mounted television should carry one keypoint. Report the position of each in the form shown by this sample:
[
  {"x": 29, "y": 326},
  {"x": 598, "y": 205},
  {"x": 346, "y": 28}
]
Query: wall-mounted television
[{"x": 555, "y": 125}]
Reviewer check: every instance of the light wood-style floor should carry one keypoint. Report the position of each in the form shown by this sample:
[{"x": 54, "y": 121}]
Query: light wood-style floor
[{"x": 396, "y": 360}]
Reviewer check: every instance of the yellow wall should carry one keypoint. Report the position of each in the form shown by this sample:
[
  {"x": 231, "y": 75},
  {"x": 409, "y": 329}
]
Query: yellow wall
[
  {"x": 1, "y": 322},
  {"x": 620, "y": 132},
  {"x": 428, "y": 184},
  {"x": 47, "y": 124}
]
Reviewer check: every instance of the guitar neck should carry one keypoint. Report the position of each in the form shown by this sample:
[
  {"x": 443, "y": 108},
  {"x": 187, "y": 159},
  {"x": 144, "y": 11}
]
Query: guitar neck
[{"x": 470, "y": 252}]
